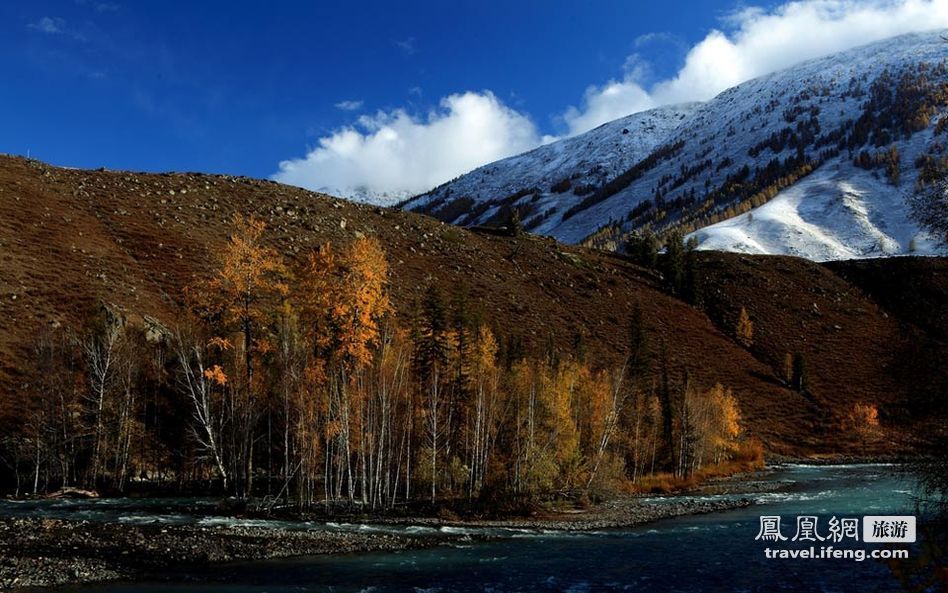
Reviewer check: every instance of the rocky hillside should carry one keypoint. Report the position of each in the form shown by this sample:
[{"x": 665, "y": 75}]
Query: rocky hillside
[
  {"x": 814, "y": 161},
  {"x": 73, "y": 240}
]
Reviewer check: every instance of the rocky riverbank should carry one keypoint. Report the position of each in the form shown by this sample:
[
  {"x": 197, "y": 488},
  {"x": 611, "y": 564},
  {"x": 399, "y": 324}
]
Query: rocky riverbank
[
  {"x": 36, "y": 552},
  {"x": 47, "y": 552}
]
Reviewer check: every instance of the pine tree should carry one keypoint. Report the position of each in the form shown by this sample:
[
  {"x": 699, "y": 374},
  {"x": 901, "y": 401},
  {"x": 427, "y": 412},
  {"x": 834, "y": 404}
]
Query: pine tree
[
  {"x": 515, "y": 226},
  {"x": 930, "y": 208},
  {"x": 580, "y": 349},
  {"x": 643, "y": 249},
  {"x": 432, "y": 346},
  {"x": 799, "y": 381},
  {"x": 638, "y": 344},
  {"x": 673, "y": 263}
]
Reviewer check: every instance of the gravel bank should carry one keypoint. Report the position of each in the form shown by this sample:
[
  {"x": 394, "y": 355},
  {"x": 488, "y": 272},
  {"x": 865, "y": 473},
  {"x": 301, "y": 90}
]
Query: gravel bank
[{"x": 45, "y": 552}]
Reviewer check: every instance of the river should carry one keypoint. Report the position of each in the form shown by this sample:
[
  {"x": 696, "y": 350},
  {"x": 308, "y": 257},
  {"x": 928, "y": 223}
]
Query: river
[{"x": 713, "y": 552}]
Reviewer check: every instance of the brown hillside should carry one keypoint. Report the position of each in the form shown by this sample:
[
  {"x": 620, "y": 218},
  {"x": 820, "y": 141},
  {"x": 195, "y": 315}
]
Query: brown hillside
[{"x": 70, "y": 240}]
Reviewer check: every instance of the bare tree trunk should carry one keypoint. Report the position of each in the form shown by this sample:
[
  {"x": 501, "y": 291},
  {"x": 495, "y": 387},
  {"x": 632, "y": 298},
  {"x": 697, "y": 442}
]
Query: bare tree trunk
[{"x": 197, "y": 387}]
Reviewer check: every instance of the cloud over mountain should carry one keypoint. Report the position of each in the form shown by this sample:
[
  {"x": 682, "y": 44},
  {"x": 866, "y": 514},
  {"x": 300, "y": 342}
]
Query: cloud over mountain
[
  {"x": 398, "y": 153},
  {"x": 759, "y": 42}
]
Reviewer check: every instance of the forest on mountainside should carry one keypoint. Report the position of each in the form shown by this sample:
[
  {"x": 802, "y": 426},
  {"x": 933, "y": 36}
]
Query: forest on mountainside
[{"x": 314, "y": 391}]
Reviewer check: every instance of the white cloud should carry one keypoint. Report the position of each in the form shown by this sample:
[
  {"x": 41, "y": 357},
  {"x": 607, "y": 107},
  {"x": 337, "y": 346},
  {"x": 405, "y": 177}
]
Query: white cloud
[
  {"x": 408, "y": 45},
  {"x": 398, "y": 154},
  {"x": 99, "y": 6},
  {"x": 349, "y": 105},
  {"x": 759, "y": 42},
  {"x": 50, "y": 25}
]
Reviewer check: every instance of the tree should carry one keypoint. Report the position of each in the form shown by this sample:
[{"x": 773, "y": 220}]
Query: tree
[
  {"x": 315, "y": 423},
  {"x": 713, "y": 426},
  {"x": 799, "y": 374},
  {"x": 431, "y": 340},
  {"x": 358, "y": 304},
  {"x": 787, "y": 369},
  {"x": 515, "y": 225},
  {"x": 638, "y": 354},
  {"x": 673, "y": 263},
  {"x": 744, "y": 329},
  {"x": 240, "y": 299},
  {"x": 202, "y": 384},
  {"x": 100, "y": 348},
  {"x": 488, "y": 406},
  {"x": 666, "y": 407},
  {"x": 609, "y": 393},
  {"x": 642, "y": 247},
  {"x": 357, "y": 312},
  {"x": 679, "y": 267},
  {"x": 863, "y": 419}
]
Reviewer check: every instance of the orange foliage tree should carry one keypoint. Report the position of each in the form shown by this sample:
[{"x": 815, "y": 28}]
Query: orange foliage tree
[{"x": 239, "y": 301}]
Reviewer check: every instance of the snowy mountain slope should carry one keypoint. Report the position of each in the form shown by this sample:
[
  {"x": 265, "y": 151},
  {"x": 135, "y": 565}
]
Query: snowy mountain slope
[
  {"x": 576, "y": 164},
  {"x": 364, "y": 195},
  {"x": 837, "y": 212},
  {"x": 806, "y": 126}
]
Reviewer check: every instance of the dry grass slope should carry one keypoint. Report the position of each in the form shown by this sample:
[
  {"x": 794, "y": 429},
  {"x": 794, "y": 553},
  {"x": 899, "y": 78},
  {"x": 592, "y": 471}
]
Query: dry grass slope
[{"x": 71, "y": 240}]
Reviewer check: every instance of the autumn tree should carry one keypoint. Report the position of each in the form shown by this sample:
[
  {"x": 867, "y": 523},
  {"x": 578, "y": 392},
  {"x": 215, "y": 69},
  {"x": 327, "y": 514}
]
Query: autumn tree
[
  {"x": 362, "y": 303},
  {"x": 608, "y": 393},
  {"x": 787, "y": 369},
  {"x": 313, "y": 419},
  {"x": 357, "y": 314},
  {"x": 862, "y": 419},
  {"x": 239, "y": 300},
  {"x": 202, "y": 382},
  {"x": 343, "y": 304},
  {"x": 488, "y": 406},
  {"x": 744, "y": 330}
]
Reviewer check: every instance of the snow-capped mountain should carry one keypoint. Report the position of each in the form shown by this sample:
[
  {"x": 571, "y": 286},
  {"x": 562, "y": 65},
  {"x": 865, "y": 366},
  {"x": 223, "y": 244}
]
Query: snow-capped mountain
[
  {"x": 554, "y": 175},
  {"x": 364, "y": 195},
  {"x": 815, "y": 160}
]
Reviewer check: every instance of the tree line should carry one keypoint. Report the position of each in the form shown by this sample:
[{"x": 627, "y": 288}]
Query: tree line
[{"x": 301, "y": 383}]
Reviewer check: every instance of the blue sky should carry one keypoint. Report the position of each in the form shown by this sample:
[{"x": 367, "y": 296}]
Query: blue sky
[{"x": 239, "y": 87}]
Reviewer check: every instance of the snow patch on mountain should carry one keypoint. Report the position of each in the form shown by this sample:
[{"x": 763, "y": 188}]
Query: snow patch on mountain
[{"x": 837, "y": 212}]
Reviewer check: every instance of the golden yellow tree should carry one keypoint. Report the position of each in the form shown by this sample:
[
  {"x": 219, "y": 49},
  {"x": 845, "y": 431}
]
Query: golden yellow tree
[
  {"x": 248, "y": 284},
  {"x": 487, "y": 406},
  {"x": 363, "y": 301},
  {"x": 714, "y": 424},
  {"x": 744, "y": 329},
  {"x": 343, "y": 303}
]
